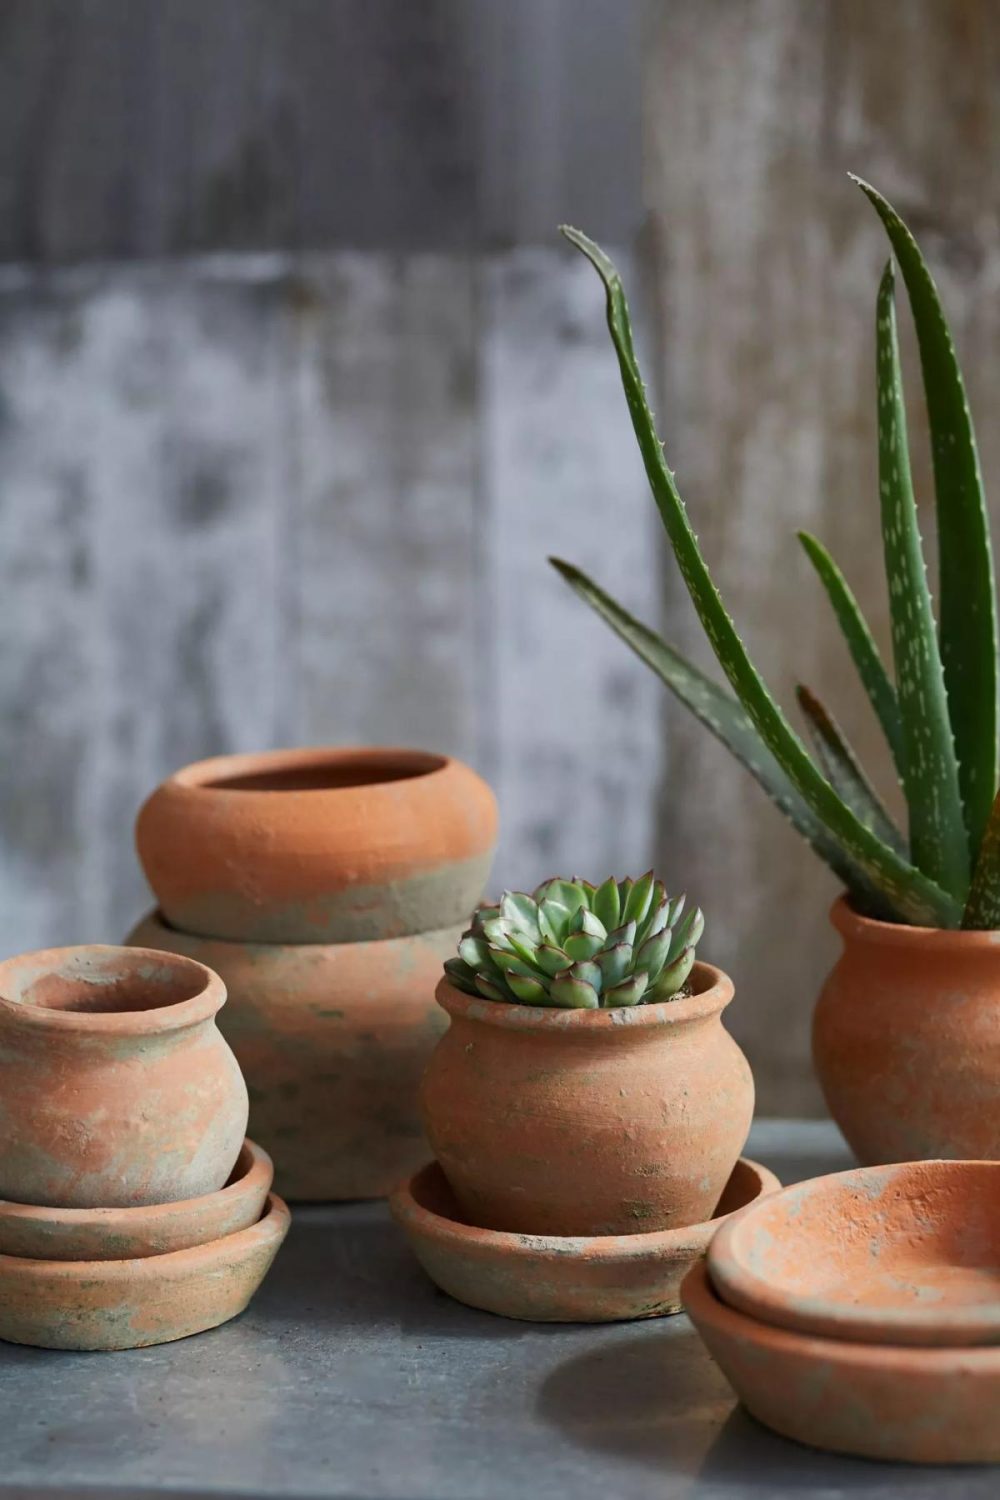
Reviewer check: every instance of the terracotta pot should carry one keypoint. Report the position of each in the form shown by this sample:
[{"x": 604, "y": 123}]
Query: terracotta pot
[
  {"x": 332, "y": 1040},
  {"x": 906, "y": 1254},
  {"x": 318, "y": 846},
  {"x": 126, "y": 1233},
  {"x": 906, "y": 1041},
  {"x": 600, "y": 1122},
  {"x": 116, "y": 1087},
  {"x": 559, "y": 1278},
  {"x": 130, "y": 1304},
  {"x": 930, "y": 1406}
]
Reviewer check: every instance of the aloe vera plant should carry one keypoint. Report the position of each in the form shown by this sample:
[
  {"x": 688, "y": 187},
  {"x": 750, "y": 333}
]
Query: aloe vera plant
[
  {"x": 938, "y": 709},
  {"x": 579, "y": 946}
]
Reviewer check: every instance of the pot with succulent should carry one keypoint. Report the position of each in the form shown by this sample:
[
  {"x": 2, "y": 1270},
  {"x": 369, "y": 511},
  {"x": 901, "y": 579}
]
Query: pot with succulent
[
  {"x": 906, "y": 1041},
  {"x": 586, "y": 1085}
]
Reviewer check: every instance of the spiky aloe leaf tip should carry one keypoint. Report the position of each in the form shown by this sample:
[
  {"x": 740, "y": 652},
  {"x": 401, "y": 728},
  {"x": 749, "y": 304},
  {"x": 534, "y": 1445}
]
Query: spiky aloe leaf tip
[{"x": 579, "y": 946}]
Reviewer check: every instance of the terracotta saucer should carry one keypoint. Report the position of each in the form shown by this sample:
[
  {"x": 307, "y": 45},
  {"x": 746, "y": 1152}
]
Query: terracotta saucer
[
  {"x": 128, "y": 1304},
  {"x": 873, "y": 1401},
  {"x": 558, "y": 1279},
  {"x": 904, "y": 1254},
  {"x": 122, "y": 1233}
]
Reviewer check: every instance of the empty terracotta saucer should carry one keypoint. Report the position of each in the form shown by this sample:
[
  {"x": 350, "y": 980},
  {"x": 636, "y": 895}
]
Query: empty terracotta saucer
[
  {"x": 873, "y": 1401},
  {"x": 558, "y": 1279},
  {"x": 128, "y": 1304},
  {"x": 122, "y": 1233},
  {"x": 904, "y": 1254}
]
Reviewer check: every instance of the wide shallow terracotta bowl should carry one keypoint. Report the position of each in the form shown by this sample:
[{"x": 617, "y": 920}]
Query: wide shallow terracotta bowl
[
  {"x": 904, "y": 1254},
  {"x": 873, "y": 1401},
  {"x": 124, "y": 1233},
  {"x": 129, "y": 1304},
  {"x": 329, "y": 845},
  {"x": 558, "y": 1279}
]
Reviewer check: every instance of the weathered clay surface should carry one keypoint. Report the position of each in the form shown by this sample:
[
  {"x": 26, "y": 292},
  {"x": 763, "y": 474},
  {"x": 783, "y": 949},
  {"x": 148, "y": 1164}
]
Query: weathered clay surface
[
  {"x": 871, "y": 1400},
  {"x": 558, "y": 1279},
  {"x": 906, "y": 1041},
  {"x": 124, "y": 1233},
  {"x": 116, "y": 1087},
  {"x": 318, "y": 846},
  {"x": 588, "y": 1122},
  {"x": 332, "y": 1040},
  {"x": 128, "y": 1304},
  {"x": 905, "y": 1254}
]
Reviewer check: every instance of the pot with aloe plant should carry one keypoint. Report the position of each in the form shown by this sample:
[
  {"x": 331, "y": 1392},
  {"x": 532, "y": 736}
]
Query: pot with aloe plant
[
  {"x": 907, "y": 1031},
  {"x": 586, "y": 1085}
]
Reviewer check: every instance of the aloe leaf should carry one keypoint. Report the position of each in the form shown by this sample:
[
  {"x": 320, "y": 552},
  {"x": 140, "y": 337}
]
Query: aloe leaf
[
  {"x": 725, "y": 717},
  {"x": 938, "y": 841},
  {"x": 914, "y": 895},
  {"x": 982, "y": 910},
  {"x": 844, "y": 771},
  {"x": 968, "y": 612},
  {"x": 860, "y": 643}
]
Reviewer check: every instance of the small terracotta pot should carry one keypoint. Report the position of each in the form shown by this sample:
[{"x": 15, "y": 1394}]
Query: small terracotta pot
[
  {"x": 116, "y": 1087},
  {"x": 127, "y": 1233},
  {"x": 318, "y": 846},
  {"x": 130, "y": 1304},
  {"x": 332, "y": 1040},
  {"x": 906, "y": 1254},
  {"x": 559, "y": 1278},
  {"x": 906, "y": 1041},
  {"x": 588, "y": 1122},
  {"x": 925, "y": 1406}
]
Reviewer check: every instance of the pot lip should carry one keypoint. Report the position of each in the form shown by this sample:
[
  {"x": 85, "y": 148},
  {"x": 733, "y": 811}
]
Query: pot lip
[
  {"x": 706, "y": 1309},
  {"x": 410, "y": 1212},
  {"x": 713, "y": 996},
  {"x": 201, "y": 777},
  {"x": 851, "y": 924},
  {"x": 254, "y": 1166},
  {"x": 159, "y": 1021}
]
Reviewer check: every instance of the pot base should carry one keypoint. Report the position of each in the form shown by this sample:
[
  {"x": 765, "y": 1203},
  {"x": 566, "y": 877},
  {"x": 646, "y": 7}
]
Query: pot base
[
  {"x": 559, "y": 1279},
  {"x": 131, "y": 1304},
  {"x": 884, "y": 1401}
]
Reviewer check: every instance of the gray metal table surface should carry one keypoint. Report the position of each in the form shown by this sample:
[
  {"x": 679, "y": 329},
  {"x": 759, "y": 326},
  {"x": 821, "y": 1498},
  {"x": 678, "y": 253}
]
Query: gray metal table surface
[{"x": 351, "y": 1376}]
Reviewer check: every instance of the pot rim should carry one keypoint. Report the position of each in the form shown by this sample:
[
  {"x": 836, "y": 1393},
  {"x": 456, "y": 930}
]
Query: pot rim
[
  {"x": 154, "y": 917},
  {"x": 851, "y": 924},
  {"x": 158, "y": 1021},
  {"x": 201, "y": 777},
  {"x": 712, "y": 997},
  {"x": 408, "y": 1209}
]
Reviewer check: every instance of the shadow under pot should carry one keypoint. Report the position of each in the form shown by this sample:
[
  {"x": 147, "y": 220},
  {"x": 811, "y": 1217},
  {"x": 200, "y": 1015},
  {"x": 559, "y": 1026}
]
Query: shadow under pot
[
  {"x": 332, "y": 1039},
  {"x": 116, "y": 1087},
  {"x": 906, "y": 1041},
  {"x": 318, "y": 846},
  {"x": 588, "y": 1122}
]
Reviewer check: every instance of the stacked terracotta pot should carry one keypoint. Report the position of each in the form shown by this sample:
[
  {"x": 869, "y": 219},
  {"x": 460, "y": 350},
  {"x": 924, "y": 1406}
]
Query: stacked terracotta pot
[
  {"x": 132, "y": 1208},
  {"x": 583, "y": 1157},
  {"x": 326, "y": 887},
  {"x": 859, "y": 1312}
]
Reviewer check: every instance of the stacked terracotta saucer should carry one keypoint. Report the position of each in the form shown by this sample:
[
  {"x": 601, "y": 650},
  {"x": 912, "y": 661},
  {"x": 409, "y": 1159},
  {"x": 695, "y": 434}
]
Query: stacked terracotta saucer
[
  {"x": 860, "y": 1312},
  {"x": 133, "y": 1210}
]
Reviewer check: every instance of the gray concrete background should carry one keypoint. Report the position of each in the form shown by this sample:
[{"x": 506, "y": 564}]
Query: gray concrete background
[{"x": 298, "y": 388}]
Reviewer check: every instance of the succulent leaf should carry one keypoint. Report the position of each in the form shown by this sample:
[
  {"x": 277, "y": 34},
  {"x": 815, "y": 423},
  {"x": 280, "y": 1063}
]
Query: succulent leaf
[
  {"x": 673, "y": 978},
  {"x": 629, "y": 992},
  {"x": 499, "y": 959},
  {"x": 573, "y": 994},
  {"x": 606, "y": 904}
]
